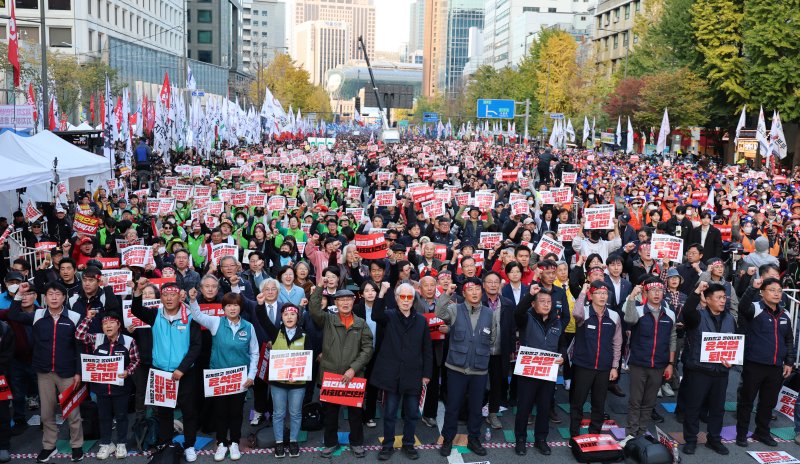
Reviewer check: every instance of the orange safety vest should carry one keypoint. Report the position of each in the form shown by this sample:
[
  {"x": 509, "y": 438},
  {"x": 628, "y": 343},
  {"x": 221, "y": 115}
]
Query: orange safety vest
[{"x": 636, "y": 219}]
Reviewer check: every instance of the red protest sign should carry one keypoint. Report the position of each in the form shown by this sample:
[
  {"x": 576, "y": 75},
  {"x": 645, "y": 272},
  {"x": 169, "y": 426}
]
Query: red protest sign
[
  {"x": 221, "y": 382},
  {"x": 719, "y": 347},
  {"x": 725, "y": 231},
  {"x": 5, "y": 389},
  {"x": 262, "y": 368},
  {"x": 597, "y": 442},
  {"x": 109, "y": 263},
  {"x": 372, "y": 246},
  {"x": 290, "y": 365},
  {"x": 421, "y": 193},
  {"x": 71, "y": 398},
  {"x": 85, "y": 225},
  {"x": 433, "y": 326},
  {"x": 336, "y": 392}
]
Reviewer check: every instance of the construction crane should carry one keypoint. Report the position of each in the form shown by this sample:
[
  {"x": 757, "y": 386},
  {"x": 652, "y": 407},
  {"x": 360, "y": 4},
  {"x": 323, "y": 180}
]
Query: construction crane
[{"x": 388, "y": 135}]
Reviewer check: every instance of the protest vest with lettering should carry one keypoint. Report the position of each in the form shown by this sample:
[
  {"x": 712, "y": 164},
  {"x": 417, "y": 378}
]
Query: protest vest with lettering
[
  {"x": 693, "y": 341},
  {"x": 170, "y": 341},
  {"x": 470, "y": 349},
  {"x": 297, "y": 343},
  {"x": 765, "y": 337},
  {"x": 229, "y": 349},
  {"x": 649, "y": 340},
  {"x": 104, "y": 347},
  {"x": 543, "y": 335},
  {"x": 594, "y": 339}
]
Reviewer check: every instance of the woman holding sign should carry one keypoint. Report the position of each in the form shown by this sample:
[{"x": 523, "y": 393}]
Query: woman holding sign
[
  {"x": 286, "y": 394},
  {"x": 233, "y": 344}
]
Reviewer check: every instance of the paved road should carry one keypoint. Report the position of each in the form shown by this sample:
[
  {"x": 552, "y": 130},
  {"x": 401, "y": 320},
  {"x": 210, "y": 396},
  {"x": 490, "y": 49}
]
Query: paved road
[{"x": 26, "y": 445}]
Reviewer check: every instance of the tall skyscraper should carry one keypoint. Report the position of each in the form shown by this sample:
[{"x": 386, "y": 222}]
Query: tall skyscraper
[
  {"x": 416, "y": 35},
  {"x": 433, "y": 50},
  {"x": 265, "y": 36},
  {"x": 359, "y": 15},
  {"x": 322, "y": 45},
  {"x": 446, "y": 50}
]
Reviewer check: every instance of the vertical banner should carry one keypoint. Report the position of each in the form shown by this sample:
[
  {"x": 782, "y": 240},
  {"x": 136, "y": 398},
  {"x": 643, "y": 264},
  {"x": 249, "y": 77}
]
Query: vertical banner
[
  {"x": 161, "y": 389},
  {"x": 71, "y": 398}
]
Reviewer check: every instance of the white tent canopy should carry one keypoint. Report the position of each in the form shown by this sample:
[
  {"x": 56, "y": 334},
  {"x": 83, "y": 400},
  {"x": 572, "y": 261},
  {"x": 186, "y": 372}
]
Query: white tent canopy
[
  {"x": 84, "y": 126},
  {"x": 28, "y": 162}
]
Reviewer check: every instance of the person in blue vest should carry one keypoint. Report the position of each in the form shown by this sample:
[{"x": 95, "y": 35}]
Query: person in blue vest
[
  {"x": 652, "y": 343},
  {"x": 540, "y": 326},
  {"x": 233, "y": 344},
  {"x": 705, "y": 383},
  {"x": 112, "y": 400},
  {"x": 472, "y": 336},
  {"x": 596, "y": 328},
  {"x": 176, "y": 346},
  {"x": 768, "y": 342}
]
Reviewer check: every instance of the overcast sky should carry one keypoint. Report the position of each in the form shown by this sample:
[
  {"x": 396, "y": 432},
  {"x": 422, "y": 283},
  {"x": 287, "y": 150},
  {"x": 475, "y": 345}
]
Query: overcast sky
[{"x": 391, "y": 24}]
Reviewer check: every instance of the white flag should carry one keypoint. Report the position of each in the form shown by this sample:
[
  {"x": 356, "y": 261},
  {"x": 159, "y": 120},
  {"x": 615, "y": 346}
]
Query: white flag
[
  {"x": 586, "y": 129},
  {"x": 777, "y": 141},
  {"x": 710, "y": 199},
  {"x": 593, "y": 121},
  {"x": 570, "y": 131},
  {"x": 761, "y": 135},
  {"x": 108, "y": 123},
  {"x": 629, "y": 148},
  {"x": 663, "y": 133},
  {"x": 190, "y": 82},
  {"x": 618, "y": 134},
  {"x": 554, "y": 135},
  {"x": 740, "y": 125}
]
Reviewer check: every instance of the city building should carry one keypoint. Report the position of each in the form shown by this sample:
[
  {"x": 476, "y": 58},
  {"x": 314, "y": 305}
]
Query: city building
[
  {"x": 359, "y": 15},
  {"x": 214, "y": 36},
  {"x": 510, "y": 25},
  {"x": 321, "y": 45},
  {"x": 613, "y": 35},
  {"x": 264, "y": 33},
  {"x": 446, "y": 47},
  {"x": 416, "y": 32},
  {"x": 474, "y": 54}
]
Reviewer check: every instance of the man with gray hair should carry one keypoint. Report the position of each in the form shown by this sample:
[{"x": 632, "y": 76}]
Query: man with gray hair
[
  {"x": 262, "y": 401},
  {"x": 229, "y": 268}
]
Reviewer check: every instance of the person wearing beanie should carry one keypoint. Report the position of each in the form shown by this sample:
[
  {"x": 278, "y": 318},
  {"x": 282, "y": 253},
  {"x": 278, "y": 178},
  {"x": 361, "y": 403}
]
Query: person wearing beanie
[
  {"x": 761, "y": 254},
  {"x": 112, "y": 399}
]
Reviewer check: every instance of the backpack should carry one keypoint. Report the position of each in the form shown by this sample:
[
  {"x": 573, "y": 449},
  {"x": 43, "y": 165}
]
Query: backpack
[
  {"x": 145, "y": 433},
  {"x": 647, "y": 450},
  {"x": 167, "y": 454},
  {"x": 312, "y": 417}
]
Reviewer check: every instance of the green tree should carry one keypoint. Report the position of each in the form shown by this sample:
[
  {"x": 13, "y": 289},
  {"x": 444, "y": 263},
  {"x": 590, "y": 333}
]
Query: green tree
[
  {"x": 681, "y": 91},
  {"x": 663, "y": 38},
  {"x": 717, "y": 30}
]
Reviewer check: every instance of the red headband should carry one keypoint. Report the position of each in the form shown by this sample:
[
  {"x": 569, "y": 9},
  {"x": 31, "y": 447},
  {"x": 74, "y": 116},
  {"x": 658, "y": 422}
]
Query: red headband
[
  {"x": 652, "y": 285},
  {"x": 292, "y": 309},
  {"x": 170, "y": 289}
]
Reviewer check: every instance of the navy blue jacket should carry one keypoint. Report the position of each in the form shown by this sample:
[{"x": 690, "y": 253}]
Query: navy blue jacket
[
  {"x": 594, "y": 337},
  {"x": 768, "y": 334},
  {"x": 696, "y": 321},
  {"x": 55, "y": 348},
  {"x": 650, "y": 340},
  {"x": 534, "y": 332},
  {"x": 103, "y": 301},
  {"x": 625, "y": 288}
]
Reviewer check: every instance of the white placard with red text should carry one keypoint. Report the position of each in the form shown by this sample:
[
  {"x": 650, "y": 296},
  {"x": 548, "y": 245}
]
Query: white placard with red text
[
  {"x": 132, "y": 322},
  {"x": 161, "y": 390},
  {"x": 137, "y": 255},
  {"x": 718, "y": 347},
  {"x": 537, "y": 364},
  {"x": 221, "y": 382},
  {"x": 547, "y": 245},
  {"x": 773, "y": 457},
  {"x": 664, "y": 246},
  {"x": 488, "y": 240},
  {"x": 599, "y": 217},
  {"x": 118, "y": 280},
  {"x": 385, "y": 198},
  {"x": 102, "y": 369},
  {"x": 567, "y": 232},
  {"x": 786, "y": 400},
  {"x": 290, "y": 365},
  {"x": 569, "y": 177},
  {"x": 223, "y": 249}
]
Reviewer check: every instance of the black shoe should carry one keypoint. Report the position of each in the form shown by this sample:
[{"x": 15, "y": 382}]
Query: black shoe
[
  {"x": 385, "y": 453},
  {"x": 542, "y": 446},
  {"x": 615, "y": 390},
  {"x": 717, "y": 447},
  {"x": 410, "y": 452},
  {"x": 18, "y": 429},
  {"x": 657, "y": 418},
  {"x": 474, "y": 445},
  {"x": 447, "y": 447},
  {"x": 554, "y": 417},
  {"x": 741, "y": 442},
  {"x": 765, "y": 439},
  {"x": 294, "y": 449},
  {"x": 280, "y": 451},
  {"x": 521, "y": 448},
  {"x": 45, "y": 455},
  {"x": 689, "y": 448},
  {"x": 77, "y": 454}
]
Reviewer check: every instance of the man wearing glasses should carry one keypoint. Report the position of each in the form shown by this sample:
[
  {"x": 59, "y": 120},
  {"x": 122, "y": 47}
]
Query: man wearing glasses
[{"x": 652, "y": 350}]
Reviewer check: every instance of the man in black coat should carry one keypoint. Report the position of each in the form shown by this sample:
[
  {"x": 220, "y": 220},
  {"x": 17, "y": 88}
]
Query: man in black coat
[
  {"x": 403, "y": 368},
  {"x": 500, "y": 360},
  {"x": 708, "y": 236}
]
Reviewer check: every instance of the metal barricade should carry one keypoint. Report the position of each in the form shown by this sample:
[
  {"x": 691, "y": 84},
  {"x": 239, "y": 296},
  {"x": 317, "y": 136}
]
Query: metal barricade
[
  {"x": 17, "y": 249},
  {"x": 793, "y": 295}
]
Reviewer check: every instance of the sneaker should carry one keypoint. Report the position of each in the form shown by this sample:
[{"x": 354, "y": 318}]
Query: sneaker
[
  {"x": 615, "y": 390},
  {"x": 358, "y": 451},
  {"x": 294, "y": 449},
  {"x": 328, "y": 452},
  {"x": 410, "y": 452},
  {"x": 33, "y": 403},
  {"x": 105, "y": 451},
  {"x": 18, "y": 428},
  {"x": 667, "y": 389},
  {"x": 219, "y": 454},
  {"x": 235, "y": 453},
  {"x": 190, "y": 454},
  {"x": 77, "y": 455},
  {"x": 531, "y": 420},
  {"x": 385, "y": 453},
  {"x": 689, "y": 448},
  {"x": 122, "y": 451},
  {"x": 280, "y": 451},
  {"x": 717, "y": 447},
  {"x": 429, "y": 421},
  {"x": 626, "y": 440},
  {"x": 494, "y": 421},
  {"x": 567, "y": 384},
  {"x": 742, "y": 442},
  {"x": 4, "y": 456},
  {"x": 45, "y": 455},
  {"x": 257, "y": 416},
  {"x": 371, "y": 423}
]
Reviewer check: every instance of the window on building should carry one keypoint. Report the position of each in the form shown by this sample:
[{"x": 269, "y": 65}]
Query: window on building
[
  {"x": 616, "y": 41},
  {"x": 204, "y": 37},
  {"x": 59, "y": 5},
  {"x": 605, "y": 44},
  {"x": 583, "y": 18},
  {"x": 551, "y": 10},
  {"x": 89, "y": 8},
  {"x": 255, "y": 12},
  {"x": 533, "y": 9},
  {"x": 204, "y": 56},
  {"x": 91, "y": 40},
  {"x": 189, "y": 54},
  {"x": 60, "y": 37},
  {"x": 29, "y": 4},
  {"x": 624, "y": 39},
  {"x": 3, "y": 34},
  {"x": 28, "y": 34},
  {"x": 627, "y": 12},
  {"x": 203, "y": 16},
  {"x": 188, "y": 16},
  {"x": 263, "y": 34},
  {"x": 264, "y": 13},
  {"x": 108, "y": 12},
  {"x": 637, "y": 6}
]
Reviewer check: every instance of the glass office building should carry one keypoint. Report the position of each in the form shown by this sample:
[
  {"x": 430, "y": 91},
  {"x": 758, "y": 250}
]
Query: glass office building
[{"x": 461, "y": 16}]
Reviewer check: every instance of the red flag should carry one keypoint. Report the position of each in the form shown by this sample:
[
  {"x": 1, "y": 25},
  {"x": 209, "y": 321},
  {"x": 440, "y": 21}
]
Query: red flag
[
  {"x": 118, "y": 112},
  {"x": 165, "y": 92},
  {"x": 51, "y": 117},
  {"x": 91, "y": 109},
  {"x": 102, "y": 110},
  {"x": 13, "y": 44},
  {"x": 32, "y": 100}
]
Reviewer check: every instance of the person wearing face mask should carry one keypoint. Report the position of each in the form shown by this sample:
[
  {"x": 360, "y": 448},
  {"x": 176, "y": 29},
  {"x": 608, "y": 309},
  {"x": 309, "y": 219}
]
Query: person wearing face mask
[
  {"x": 679, "y": 225},
  {"x": 195, "y": 241},
  {"x": 12, "y": 281},
  {"x": 636, "y": 213}
]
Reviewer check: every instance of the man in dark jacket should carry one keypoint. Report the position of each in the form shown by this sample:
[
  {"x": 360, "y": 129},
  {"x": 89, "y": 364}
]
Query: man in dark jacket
[
  {"x": 56, "y": 361},
  {"x": 403, "y": 367},
  {"x": 708, "y": 236},
  {"x": 93, "y": 296},
  {"x": 6, "y": 355},
  {"x": 691, "y": 269},
  {"x": 499, "y": 363}
]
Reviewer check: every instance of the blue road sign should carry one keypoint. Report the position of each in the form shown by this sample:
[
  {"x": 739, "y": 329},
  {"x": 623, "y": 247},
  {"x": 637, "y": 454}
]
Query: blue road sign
[
  {"x": 430, "y": 117},
  {"x": 556, "y": 115},
  {"x": 496, "y": 109}
]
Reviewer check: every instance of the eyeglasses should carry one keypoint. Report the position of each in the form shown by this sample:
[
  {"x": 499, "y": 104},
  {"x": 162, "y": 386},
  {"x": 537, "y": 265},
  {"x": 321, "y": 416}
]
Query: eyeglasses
[{"x": 405, "y": 297}]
